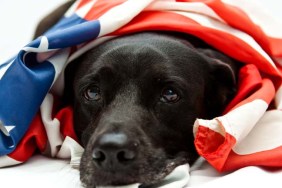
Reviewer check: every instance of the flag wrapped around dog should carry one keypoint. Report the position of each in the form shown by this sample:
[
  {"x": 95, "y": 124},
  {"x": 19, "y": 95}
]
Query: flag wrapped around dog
[{"x": 248, "y": 133}]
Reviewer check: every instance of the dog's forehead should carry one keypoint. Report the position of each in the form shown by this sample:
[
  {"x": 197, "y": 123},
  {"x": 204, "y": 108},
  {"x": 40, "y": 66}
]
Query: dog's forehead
[
  {"x": 158, "y": 56},
  {"x": 142, "y": 55}
]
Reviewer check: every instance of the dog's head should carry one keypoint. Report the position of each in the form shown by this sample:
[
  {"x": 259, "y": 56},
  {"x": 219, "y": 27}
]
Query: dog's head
[{"x": 135, "y": 102}]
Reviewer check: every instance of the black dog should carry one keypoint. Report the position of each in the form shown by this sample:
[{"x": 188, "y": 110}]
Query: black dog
[{"x": 135, "y": 101}]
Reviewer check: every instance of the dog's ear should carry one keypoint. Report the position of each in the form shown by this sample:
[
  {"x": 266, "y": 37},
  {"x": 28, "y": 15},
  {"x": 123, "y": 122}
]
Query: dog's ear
[{"x": 221, "y": 86}]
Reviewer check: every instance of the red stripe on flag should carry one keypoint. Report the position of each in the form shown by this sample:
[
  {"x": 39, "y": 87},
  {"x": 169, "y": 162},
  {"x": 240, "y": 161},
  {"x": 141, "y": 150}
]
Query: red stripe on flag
[
  {"x": 100, "y": 8},
  {"x": 242, "y": 22},
  {"x": 34, "y": 138},
  {"x": 250, "y": 87},
  {"x": 65, "y": 116},
  {"x": 83, "y": 3},
  {"x": 276, "y": 46},
  {"x": 222, "y": 158},
  {"x": 270, "y": 158},
  {"x": 266, "y": 92},
  {"x": 214, "y": 147}
]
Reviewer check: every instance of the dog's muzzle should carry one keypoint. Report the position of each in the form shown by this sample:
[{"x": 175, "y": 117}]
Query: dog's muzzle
[{"x": 114, "y": 151}]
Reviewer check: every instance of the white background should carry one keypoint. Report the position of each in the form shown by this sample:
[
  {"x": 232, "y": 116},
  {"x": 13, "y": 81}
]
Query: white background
[{"x": 18, "y": 19}]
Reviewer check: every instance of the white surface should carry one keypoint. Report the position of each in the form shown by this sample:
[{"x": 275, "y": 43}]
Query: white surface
[
  {"x": 44, "y": 172},
  {"x": 40, "y": 172},
  {"x": 18, "y": 19}
]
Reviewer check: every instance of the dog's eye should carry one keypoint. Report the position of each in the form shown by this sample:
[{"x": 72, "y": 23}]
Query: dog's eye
[
  {"x": 169, "y": 95},
  {"x": 92, "y": 93}
]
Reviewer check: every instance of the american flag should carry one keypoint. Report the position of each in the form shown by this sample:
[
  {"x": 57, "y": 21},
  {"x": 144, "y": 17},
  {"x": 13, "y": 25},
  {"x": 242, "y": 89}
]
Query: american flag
[{"x": 248, "y": 132}]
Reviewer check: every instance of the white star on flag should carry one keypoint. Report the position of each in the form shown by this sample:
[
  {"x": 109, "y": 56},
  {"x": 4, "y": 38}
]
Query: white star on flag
[{"x": 6, "y": 129}]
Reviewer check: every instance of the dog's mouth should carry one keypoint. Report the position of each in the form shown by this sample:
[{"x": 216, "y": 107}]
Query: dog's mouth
[
  {"x": 117, "y": 155},
  {"x": 179, "y": 177},
  {"x": 143, "y": 174}
]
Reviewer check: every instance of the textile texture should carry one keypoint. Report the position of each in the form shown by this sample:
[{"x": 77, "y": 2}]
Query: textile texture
[{"x": 248, "y": 132}]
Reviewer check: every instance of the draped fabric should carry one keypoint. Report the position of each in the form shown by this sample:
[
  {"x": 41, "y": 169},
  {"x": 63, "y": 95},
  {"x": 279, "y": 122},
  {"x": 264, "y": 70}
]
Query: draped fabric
[{"x": 248, "y": 132}]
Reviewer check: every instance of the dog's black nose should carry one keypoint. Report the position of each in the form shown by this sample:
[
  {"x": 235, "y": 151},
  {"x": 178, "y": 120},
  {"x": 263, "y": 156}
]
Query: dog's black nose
[{"x": 114, "y": 149}]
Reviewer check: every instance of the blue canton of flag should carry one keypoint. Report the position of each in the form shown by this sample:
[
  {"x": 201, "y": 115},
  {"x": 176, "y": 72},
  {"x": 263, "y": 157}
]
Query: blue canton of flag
[{"x": 26, "y": 79}]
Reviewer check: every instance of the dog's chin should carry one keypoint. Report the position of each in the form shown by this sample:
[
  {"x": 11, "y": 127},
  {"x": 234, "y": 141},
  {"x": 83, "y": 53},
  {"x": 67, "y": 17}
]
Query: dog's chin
[{"x": 145, "y": 175}]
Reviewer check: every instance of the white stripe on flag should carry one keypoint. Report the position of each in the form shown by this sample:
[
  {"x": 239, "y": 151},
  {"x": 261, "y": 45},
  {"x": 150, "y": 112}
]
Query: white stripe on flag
[
  {"x": 262, "y": 17},
  {"x": 82, "y": 11},
  {"x": 71, "y": 149},
  {"x": 211, "y": 124},
  {"x": 43, "y": 46},
  {"x": 52, "y": 126},
  {"x": 266, "y": 135},
  {"x": 8, "y": 161},
  {"x": 82, "y": 49},
  {"x": 4, "y": 69},
  {"x": 214, "y": 24},
  {"x": 196, "y": 7},
  {"x": 120, "y": 15},
  {"x": 59, "y": 61},
  {"x": 72, "y": 9},
  {"x": 238, "y": 122},
  {"x": 6, "y": 129}
]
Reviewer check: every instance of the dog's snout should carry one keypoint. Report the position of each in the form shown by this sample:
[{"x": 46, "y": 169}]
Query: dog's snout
[{"x": 114, "y": 149}]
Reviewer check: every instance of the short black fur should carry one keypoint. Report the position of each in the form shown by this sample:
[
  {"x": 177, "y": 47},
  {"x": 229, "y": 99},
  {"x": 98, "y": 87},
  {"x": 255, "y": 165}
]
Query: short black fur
[{"x": 131, "y": 73}]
